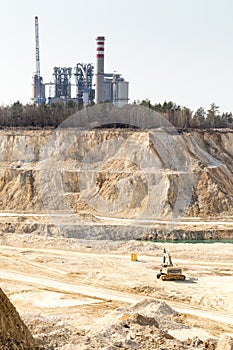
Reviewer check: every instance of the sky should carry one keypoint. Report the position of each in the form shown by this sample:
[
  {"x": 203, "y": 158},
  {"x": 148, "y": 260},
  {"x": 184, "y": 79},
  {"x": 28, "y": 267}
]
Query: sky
[{"x": 173, "y": 50}]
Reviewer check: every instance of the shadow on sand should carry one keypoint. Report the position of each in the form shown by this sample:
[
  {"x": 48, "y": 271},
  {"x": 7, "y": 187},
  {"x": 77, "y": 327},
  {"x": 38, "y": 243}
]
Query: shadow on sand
[{"x": 188, "y": 280}]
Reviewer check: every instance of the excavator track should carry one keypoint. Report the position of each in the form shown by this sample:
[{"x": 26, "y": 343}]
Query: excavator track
[{"x": 172, "y": 277}]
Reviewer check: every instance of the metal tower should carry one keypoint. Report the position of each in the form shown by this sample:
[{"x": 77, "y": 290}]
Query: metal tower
[
  {"x": 38, "y": 86},
  {"x": 83, "y": 77},
  {"x": 37, "y": 47}
]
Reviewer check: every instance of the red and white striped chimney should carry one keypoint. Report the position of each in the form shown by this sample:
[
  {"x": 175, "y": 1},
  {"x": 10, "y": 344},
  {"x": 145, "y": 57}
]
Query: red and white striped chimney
[{"x": 99, "y": 69}]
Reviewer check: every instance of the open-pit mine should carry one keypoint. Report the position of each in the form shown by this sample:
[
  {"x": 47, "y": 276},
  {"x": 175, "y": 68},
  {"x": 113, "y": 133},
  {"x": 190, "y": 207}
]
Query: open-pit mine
[{"x": 76, "y": 203}]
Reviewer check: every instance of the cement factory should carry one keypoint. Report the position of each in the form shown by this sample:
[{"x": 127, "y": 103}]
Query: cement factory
[{"x": 108, "y": 87}]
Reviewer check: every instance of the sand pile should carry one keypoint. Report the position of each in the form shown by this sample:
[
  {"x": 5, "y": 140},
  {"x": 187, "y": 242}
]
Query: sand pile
[
  {"x": 144, "y": 325},
  {"x": 225, "y": 343}
]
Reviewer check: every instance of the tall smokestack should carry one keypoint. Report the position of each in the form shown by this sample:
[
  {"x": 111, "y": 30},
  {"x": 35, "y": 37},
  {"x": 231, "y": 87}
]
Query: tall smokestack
[{"x": 100, "y": 69}]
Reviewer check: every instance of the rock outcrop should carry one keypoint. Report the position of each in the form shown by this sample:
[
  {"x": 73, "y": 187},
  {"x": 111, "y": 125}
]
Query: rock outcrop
[{"x": 13, "y": 332}]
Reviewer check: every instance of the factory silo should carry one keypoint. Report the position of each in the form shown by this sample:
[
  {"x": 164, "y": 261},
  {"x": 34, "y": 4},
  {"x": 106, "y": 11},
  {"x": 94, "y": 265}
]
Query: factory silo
[
  {"x": 100, "y": 69},
  {"x": 120, "y": 91}
]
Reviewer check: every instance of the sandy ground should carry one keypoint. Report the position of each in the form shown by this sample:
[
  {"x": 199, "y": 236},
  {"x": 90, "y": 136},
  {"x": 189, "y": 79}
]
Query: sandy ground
[{"x": 79, "y": 282}]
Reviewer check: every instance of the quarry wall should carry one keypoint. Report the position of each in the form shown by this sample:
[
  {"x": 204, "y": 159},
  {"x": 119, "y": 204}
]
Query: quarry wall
[{"x": 121, "y": 173}]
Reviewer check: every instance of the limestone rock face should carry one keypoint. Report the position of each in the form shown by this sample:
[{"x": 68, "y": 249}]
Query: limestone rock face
[
  {"x": 13, "y": 332},
  {"x": 117, "y": 172}
]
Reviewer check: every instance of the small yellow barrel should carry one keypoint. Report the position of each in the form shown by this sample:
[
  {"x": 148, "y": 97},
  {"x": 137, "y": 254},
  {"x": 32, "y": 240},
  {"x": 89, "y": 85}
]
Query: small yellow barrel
[{"x": 134, "y": 257}]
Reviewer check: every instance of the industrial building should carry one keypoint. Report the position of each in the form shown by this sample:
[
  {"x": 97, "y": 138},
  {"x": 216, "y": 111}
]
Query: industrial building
[
  {"x": 84, "y": 73},
  {"x": 108, "y": 87},
  {"x": 115, "y": 89},
  {"x": 62, "y": 81}
]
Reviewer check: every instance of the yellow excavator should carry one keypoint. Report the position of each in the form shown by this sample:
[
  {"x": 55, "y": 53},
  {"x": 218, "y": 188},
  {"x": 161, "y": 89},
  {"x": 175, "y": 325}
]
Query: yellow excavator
[{"x": 168, "y": 272}]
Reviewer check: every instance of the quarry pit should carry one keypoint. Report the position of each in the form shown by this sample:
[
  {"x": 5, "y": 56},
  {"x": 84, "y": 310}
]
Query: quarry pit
[{"x": 65, "y": 259}]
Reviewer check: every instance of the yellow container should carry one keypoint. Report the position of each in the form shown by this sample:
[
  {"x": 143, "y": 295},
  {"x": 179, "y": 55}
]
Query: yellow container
[{"x": 134, "y": 257}]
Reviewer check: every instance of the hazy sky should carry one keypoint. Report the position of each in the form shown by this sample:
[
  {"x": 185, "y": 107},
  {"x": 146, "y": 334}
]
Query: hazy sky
[{"x": 179, "y": 50}]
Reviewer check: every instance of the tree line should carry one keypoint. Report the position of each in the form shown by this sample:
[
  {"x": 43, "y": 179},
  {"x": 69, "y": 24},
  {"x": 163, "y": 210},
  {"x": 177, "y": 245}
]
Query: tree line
[
  {"x": 29, "y": 115},
  {"x": 184, "y": 118}
]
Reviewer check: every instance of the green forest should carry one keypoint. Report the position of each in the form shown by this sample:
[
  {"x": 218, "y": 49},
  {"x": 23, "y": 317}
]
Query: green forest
[{"x": 44, "y": 116}]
